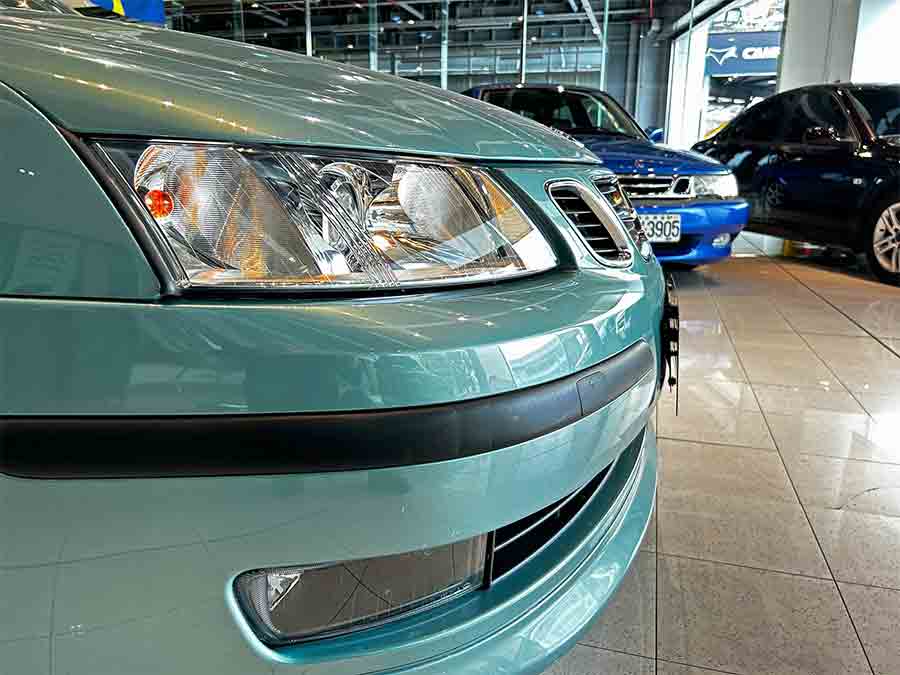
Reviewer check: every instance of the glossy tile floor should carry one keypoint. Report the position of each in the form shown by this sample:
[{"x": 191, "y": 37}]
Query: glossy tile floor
[{"x": 776, "y": 547}]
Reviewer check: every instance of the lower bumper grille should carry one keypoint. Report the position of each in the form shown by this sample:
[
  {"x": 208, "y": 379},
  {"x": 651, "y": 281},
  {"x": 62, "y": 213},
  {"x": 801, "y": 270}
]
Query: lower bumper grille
[
  {"x": 687, "y": 244},
  {"x": 518, "y": 542}
]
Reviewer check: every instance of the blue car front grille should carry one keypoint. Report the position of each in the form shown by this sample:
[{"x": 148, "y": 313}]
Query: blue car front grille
[{"x": 656, "y": 187}]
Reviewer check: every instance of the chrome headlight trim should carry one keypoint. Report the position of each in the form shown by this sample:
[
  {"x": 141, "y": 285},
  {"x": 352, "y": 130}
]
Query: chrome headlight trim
[{"x": 510, "y": 240}]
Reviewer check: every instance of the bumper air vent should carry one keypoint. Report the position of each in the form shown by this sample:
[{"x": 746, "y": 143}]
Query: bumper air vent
[
  {"x": 595, "y": 221},
  {"x": 516, "y": 543}
]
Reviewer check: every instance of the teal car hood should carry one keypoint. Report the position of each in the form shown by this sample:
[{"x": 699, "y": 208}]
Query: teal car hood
[{"x": 110, "y": 77}]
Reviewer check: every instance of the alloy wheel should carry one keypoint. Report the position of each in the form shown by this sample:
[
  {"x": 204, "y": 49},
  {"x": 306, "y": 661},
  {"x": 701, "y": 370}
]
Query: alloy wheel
[
  {"x": 774, "y": 195},
  {"x": 886, "y": 239}
]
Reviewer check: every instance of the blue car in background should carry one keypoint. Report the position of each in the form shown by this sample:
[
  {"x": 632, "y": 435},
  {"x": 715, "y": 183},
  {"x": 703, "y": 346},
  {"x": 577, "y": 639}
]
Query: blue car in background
[{"x": 688, "y": 204}]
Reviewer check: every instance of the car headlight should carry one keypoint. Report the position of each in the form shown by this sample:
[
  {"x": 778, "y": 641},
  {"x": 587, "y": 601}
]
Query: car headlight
[
  {"x": 277, "y": 218},
  {"x": 293, "y": 604},
  {"x": 723, "y": 185}
]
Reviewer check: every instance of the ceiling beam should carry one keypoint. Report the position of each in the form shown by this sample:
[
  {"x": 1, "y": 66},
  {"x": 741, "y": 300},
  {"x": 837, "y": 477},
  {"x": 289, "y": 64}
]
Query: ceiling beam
[
  {"x": 592, "y": 18},
  {"x": 409, "y": 8}
]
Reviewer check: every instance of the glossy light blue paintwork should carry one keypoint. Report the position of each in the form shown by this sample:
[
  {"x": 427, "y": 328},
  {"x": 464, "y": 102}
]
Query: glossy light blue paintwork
[
  {"x": 126, "y": 78},
  {"x": 59, "y": 233},
  {"x": 133, "y": 577},
  {"x": 186, "y": 357},
  {"x": 180, "y": 358}
]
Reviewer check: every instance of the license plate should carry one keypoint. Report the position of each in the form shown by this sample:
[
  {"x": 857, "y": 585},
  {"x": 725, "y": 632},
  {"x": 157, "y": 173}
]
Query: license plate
[{"x": 662, "y": 228}]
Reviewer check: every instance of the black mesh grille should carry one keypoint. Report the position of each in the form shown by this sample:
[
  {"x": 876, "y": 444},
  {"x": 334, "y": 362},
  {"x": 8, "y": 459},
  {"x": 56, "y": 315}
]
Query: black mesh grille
[
  {"x": 595, "y": 233},
  {"x": 519, "y": 541},
  {"x": 687, "y": 244}
]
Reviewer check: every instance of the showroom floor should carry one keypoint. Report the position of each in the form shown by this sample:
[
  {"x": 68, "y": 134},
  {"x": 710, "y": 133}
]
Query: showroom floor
[{"x": 777, "y": 544}]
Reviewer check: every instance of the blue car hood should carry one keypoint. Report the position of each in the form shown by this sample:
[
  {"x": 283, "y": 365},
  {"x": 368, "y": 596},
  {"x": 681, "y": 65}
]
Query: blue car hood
[{"x": 636, "y": 156}]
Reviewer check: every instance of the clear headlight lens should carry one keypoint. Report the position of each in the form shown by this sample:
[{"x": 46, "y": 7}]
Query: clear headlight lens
[
  {"x": 285, "y": 605},
  {"x": 247, "y": 217},
  {"x": 718, "y": 185}
]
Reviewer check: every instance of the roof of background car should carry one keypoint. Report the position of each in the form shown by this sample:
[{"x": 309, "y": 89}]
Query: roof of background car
[
  {"x": 577, "y": 88},
  {"x": 109, "y": 77},
  {"x": 835, "y": 86},
  {"x": 869, "y": 85}
]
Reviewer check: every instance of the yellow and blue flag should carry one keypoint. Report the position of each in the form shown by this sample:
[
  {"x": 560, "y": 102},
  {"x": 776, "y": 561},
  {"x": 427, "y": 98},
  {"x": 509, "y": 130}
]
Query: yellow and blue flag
[{"x": 142, "y": 10}]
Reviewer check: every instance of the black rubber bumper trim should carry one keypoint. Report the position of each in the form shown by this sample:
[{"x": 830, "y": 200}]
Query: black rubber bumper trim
[{"x": 241, "y": 445}]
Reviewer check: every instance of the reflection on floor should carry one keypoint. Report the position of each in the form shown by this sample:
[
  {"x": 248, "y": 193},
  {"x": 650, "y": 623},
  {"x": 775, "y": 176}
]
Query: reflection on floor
[{"x": 777, "y": 543}]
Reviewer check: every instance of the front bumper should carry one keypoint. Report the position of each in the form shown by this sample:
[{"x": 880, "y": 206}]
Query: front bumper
[
  {"x": 172, "y": 547},
  {"x": 135, "y": 574},
  {"x": 578, "y": 591},
  {"x": 526, "y": 619},
  {"x": 701, "y": 222}
]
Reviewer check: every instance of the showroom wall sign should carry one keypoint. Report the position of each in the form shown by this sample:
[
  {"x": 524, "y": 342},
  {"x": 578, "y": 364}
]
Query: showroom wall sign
[{"x": 743, "y": 53}]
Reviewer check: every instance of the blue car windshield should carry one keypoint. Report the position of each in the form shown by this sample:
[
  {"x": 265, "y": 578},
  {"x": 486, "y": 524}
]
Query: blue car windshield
[
  {"x": 56, "y": 6},
  {"x": 879, "y": 107},
  {"x": 567, "y": 110}
]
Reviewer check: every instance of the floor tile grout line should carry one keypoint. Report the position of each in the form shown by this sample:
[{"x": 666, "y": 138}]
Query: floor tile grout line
[
  {"x": 811, "y": 577},
  {"x": 830, "y": 370},
  {"x": 858, "y": 460},
  {"x": 681, "y": 556},
  {"x": 694, "y": 665},
  {"x": 656, "y": 622},
  {"x": 656, "y": 547},
  {"x": 720, "y": 443},
  {"x": 840, "y": 311},
  {"x": 616, "y": 651},
  {"x": 794, "y": 487},
  {"x": 797, "y": 280}
]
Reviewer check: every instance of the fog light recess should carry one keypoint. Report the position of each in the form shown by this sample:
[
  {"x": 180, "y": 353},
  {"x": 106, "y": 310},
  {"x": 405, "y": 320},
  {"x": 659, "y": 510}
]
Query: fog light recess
[
  {"x": 721, "y": 240},
  {"x": 294, "y": 604}
]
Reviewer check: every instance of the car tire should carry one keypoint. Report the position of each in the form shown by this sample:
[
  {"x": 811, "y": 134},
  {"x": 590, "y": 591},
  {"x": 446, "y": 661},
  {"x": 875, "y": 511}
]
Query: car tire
[
  {"x": 882, "y": 243},
  {"x": 771, "y": 198}
]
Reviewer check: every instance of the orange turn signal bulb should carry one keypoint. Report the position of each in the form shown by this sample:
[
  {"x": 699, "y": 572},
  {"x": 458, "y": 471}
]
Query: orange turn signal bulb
[{"x": 159, "y": 203}]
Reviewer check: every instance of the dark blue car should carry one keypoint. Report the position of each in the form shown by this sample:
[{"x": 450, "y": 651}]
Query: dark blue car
[
  {"x": 688, "y": 204},
  {"x": 822, "y": 164}
]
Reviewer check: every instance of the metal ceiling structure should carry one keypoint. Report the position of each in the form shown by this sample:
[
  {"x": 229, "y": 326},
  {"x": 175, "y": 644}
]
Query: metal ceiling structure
[{"x": 456, "y": 44}]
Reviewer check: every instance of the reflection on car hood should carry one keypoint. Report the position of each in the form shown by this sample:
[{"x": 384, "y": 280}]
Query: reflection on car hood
[
  {"x": 113, "y": 77},
  {"x": 637, "y": 156}
]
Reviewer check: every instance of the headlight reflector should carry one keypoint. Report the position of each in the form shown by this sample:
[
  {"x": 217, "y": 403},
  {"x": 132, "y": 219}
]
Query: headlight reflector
[
  {"x": 723, "y": 185},
  {"x": 285, "y": 605},
  {"x": 245, "y": 217}
]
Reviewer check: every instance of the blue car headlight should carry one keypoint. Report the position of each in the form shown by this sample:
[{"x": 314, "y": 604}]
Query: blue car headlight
[
  {"x": 285, "y": 605},
  {"x": 721, "y": 185},
  {"x": 279, "y": 218}
]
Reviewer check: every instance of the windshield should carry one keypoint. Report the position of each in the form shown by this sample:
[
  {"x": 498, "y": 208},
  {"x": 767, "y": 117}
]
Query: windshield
[
  {"x": 40, "y": 5},
  {"x": 879, "y": 107},
  {"x": 567, "y": 110}
]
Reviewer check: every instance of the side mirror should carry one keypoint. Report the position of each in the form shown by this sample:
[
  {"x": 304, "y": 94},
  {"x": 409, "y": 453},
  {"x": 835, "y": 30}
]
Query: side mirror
[
  {"x": 821, "y": 136},
  {"x": 656, "y": 134}
]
